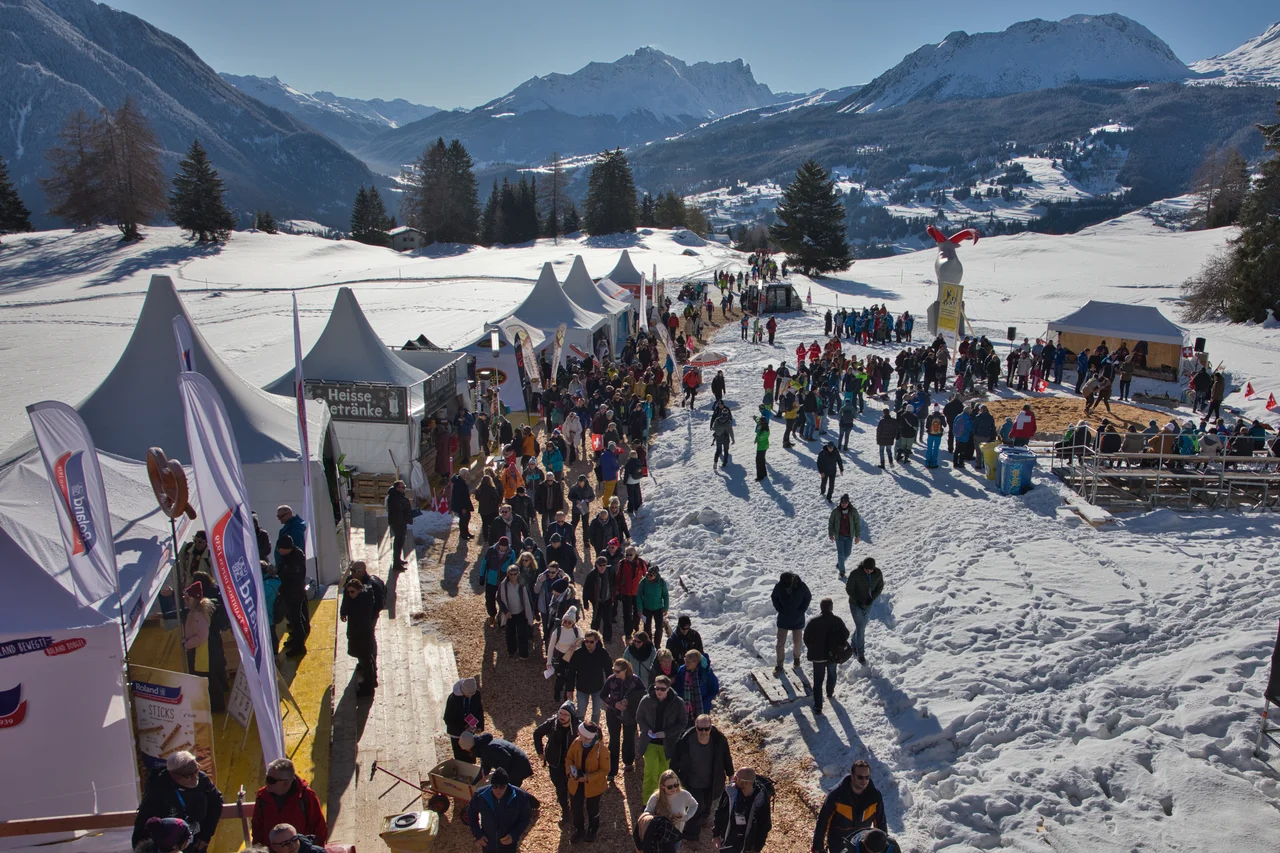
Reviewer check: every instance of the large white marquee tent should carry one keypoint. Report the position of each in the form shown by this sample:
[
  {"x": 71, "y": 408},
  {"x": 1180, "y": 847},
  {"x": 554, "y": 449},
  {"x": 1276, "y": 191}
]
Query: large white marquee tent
[
  {"x": 547, "y": 306},
  {"x": 585, "y": 293}
]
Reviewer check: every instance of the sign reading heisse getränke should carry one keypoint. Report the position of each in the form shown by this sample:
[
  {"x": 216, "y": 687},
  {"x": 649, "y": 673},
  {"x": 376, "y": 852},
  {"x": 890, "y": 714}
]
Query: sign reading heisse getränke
[{"x": 362, "y": 401}]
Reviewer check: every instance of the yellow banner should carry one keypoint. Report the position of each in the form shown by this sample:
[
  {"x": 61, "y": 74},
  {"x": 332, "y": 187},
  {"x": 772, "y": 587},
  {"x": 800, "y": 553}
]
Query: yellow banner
[{"x": 949, "y": 310}]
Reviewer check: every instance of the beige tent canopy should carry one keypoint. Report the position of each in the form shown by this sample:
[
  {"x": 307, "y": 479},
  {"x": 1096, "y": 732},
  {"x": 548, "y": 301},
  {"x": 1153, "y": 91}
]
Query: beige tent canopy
[{"x": 1116, "y": 323}]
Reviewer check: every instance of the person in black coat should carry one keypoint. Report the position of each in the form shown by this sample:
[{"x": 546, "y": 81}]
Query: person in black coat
[
  {"x": 563, "y": 553},
  {"x": 463, "y": 712},
  {"x": 887, "y": 431},
  {"x": 602, "y": 528},
  {"x": 360, "y": 612},
  {"x": 829, "y": 462},
  {"x": 399, "y": 517},
  {"x": 600, "y": 592},
  {"x": 180, "y": 789},
  {"x": 551, "y": 742},
  {"x": 548, "y": 499},
  {"x": 264, "y": 540},
  {"x": 488, "y": 502},
  {"x": 683, "y": 639},
  {"x": 703, "y": 773},
  {"x": 460, "y": 504},
  {"x": 494, "y": 752},
  {"x": 292, "y": 571},
  {"x": 509, "y": 524},
  {"x": 824, "y": 636},
  {"x": 791, "y": 599}
]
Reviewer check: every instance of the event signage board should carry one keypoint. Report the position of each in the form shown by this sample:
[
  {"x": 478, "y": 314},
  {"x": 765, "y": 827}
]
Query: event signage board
[
  {"x": 362, "y": 402},
  {"x": 949, "y": 313},
  {"x": 438, "y": 389},
  {"x": 171, "y": 713}
]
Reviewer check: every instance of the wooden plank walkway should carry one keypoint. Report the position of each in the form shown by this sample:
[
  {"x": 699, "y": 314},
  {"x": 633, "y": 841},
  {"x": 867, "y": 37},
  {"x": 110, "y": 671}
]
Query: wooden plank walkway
[{"x": 401, "y": 728}]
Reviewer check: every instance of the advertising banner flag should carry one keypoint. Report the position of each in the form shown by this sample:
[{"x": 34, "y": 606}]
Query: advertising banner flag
[
  {"x": 182, "y": 334},
  {"x": 80, "y": 499},
  {"x": 233, "y": 546},
  {"x": 644, "y": 310},
  {"x": 949, "y": 313},
  {"x": 557, "y": 352},
  {"x": 524, "y": 343},
  {"x": 300, "y": 399}
]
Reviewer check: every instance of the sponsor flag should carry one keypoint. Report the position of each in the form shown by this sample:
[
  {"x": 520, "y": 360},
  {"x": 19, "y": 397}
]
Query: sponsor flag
[
  {"x": 1271, "y": 403},
  {"x": 182, "y": 334},
  {"x": 557, "y": 352},
  {"x": 80, "y": 499},
  {"x": 644, "y": 311},
  {"x": 524, "y": 343},
  {"x": 300, "y": 399},
  {"x": 233, "y": 547},
  {"x": 1248, "y": 390}
]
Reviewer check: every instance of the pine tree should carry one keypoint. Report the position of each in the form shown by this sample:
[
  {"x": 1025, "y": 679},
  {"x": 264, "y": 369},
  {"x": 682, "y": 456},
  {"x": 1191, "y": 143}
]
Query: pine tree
[
  {"x": 610, "y": 207},
  {"x": 571, "y": 223},
  {"x": 14, "y": 215},
  {"x": 196, "y": 203},
  {"x": 489, "y": 218},
  {"x": 553, "y": 196},
  {"x": 646, "y": 212},
  {"x": 811, "y": 222},
  {"x": 1232, "y": 189},
  {"x": 130, "y": 158},
  {"x": 265, "y": 222},
  {"x": 1256, "y": 252},
  {"x": 441, "y": 199},
  {"x": 359, "y": 214},
  {"x": 668, "y": 212},
  {"x": 369, "y": 220}
]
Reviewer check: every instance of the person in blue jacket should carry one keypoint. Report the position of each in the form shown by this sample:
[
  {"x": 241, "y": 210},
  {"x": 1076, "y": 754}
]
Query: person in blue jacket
[
  {"x": 294, "y": 526},
  {"x": 963, "y": 429},
  {"x": 500, "y": 814},
  {"x": 696, "y": 684},
  {"x": 609, "y": 466},
  {"x": 1082, "y": 368},
  {"x": 1059, "y": 361}
]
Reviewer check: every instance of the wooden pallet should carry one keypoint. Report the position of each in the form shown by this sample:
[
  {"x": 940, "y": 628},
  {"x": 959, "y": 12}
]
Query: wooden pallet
[{"x": 780, "y": 689}]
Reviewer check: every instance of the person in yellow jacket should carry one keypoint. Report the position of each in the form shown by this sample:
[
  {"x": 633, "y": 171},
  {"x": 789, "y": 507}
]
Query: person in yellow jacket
[
  {"x": 512, "y": 479},
  {"x": 586, "y": 765},
  {"x": 790, "y": 415}
]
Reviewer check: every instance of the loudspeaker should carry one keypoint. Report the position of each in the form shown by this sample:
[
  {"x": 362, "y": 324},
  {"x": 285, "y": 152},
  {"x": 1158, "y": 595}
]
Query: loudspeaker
[
  {"x": 1013, "y": 332},
  {"x": 1199, "y": 347}
]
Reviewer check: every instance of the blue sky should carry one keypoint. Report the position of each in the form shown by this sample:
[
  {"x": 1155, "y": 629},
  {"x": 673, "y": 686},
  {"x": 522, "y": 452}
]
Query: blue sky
[{"x": 466, "y": 52}]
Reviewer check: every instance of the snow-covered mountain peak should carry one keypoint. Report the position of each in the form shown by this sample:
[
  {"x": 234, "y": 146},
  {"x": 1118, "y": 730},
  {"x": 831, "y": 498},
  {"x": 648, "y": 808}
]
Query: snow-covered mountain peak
[
  {"x": 1029, "y": 55},
  {"x": 647, "y": 80},
  {"x": 1255, "y": 61}
]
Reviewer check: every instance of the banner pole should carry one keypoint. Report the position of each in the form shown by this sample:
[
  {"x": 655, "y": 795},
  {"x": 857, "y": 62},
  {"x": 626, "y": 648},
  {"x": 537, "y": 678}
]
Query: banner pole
[
  {"x": 1262, "y": 730},
  {"x": 176, "y": 582}
]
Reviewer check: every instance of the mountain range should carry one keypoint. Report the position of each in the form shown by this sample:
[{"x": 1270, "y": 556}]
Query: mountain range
[
  {"x": 1255, "y": 61},
  {"x": 350, "y": 122},
  {"x": 60, "y": 56}
]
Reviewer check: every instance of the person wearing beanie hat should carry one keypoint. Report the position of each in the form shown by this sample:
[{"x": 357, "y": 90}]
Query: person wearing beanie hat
[
  {"x": 873, "y": 841},
  {"x": 500, "y": 814},
  {"x": 554, "y": 596},
  {"x": 586, "y": 765},
  {"x": 179, "y": 789},
  {"x": 863, "y": 588},
  {"x": 168, "y": 834},
  {"x": 551, "y": 741},
  {"x": 560, "y": 546},
  {"x": 463, "y": 712}
]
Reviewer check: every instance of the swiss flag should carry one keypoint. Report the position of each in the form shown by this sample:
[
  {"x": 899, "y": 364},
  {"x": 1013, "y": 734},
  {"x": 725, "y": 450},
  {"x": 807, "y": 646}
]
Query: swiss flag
[
  {"x": 1271, "y": 403},
  {"x": 1248, "y": 390}
]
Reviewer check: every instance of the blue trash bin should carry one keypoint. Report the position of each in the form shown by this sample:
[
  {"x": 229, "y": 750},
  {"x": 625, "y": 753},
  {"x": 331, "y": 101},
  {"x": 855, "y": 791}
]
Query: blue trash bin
[{"x": 1016, "y": 464}]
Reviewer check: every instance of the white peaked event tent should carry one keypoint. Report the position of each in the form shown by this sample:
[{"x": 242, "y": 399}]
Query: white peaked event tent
[
  {"x": 585, "y": 293},
  {"x": 137, "y": 407},
  {"x": 547, "y": 306},
  {"x": 625, "y": 278},
  {"x": 503, "y": 369},
  {"x": 349, "y": 350}
]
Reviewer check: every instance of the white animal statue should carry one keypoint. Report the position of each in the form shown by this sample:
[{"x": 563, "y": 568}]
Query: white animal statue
[{"x": 947, "y": 268}]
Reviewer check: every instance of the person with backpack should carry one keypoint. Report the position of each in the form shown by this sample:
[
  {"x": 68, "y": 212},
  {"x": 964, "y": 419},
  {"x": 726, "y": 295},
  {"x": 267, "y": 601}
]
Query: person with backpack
[
  {"x": 848, "y": 413},
  {"x": 722, "y": 430},
  {"x": 743, "y": 814},
  {"x": 851, "y": 806},
  {"x": 551, "y": 742},
  {"x": 887, "y": 431},
  {"x": 935, "y": 425},
  {"x": 872, "y": 841},
  {"x": 863, "y": 588},
  {"x": 825, "y": 637},
  {"x": 791, "y": 599},
  {"x": 963, "y": 429}
]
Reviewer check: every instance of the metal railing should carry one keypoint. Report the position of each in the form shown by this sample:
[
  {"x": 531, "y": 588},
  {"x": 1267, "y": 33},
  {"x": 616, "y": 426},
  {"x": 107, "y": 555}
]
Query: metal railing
[{"x": 1154, "y": 479}]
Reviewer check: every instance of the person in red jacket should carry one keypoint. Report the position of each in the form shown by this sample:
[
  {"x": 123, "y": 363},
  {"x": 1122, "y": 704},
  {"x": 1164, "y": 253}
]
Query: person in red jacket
[
  {"x": 286, "y": 798},
  {"x": 1024, "y": 427},
  {"x": 815, "y": 352},
  {"x": 770, "y": 380},
  {"x": 772, "y": 328},
  {"x": 630, "y": 572},
  {"x": 801, "y": 352}
]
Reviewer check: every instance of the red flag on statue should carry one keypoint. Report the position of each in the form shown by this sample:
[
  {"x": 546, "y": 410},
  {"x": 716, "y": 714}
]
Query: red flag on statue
[
  {"x": 1248, "y": 390},
  {"x": 1271, "y": 403}
]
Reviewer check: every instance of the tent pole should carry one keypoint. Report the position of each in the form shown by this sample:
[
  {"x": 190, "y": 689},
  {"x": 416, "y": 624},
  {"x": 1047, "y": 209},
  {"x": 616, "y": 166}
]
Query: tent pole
[{"x": 177, "y": 594}]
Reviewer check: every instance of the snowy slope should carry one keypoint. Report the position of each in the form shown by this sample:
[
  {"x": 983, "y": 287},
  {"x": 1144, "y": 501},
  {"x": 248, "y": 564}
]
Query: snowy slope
[
  {"x": 645, "y": 81},
  {"x": 1255, "y": 61},
  {"x": 1027, "y": 56},
  {"x": 347, "y": 121}
]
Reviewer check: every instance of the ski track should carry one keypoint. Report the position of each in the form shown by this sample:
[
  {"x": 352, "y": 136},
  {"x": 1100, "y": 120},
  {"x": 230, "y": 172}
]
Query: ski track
[{"x": 1022, "y": 671}]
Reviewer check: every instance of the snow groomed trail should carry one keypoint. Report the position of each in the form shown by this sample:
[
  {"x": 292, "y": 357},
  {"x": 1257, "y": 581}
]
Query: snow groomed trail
[{"x": 1028, "y": 681}]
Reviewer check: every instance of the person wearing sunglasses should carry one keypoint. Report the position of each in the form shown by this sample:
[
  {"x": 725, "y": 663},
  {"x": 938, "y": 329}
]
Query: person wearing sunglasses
[
  {"x": 852, "y": 806},
  {"x": 744, "y": 814},
  {"x": 661, "y": 719},
  {"x": 284, "y": 838},
  {"x": 703, "y": 763},
  {"x": 672, "y": 801},
  {"x": 181, "y": 789},
  {"x": 287, "y": 798}
]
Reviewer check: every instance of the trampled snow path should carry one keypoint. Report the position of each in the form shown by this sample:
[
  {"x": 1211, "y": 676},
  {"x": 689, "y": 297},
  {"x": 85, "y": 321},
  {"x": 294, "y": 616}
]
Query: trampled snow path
[{"x": 1021, "y": 669}]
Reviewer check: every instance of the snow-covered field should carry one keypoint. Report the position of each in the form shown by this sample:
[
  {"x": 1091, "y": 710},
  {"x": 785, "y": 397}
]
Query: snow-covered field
[{"x": 1030, "y": 681}]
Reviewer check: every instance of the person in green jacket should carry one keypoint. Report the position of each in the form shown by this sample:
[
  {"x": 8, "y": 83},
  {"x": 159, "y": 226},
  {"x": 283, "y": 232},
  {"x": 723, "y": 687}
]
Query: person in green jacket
[
  {"x": 653, "y": 599},
  {"x": 762, "y": 444}
]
